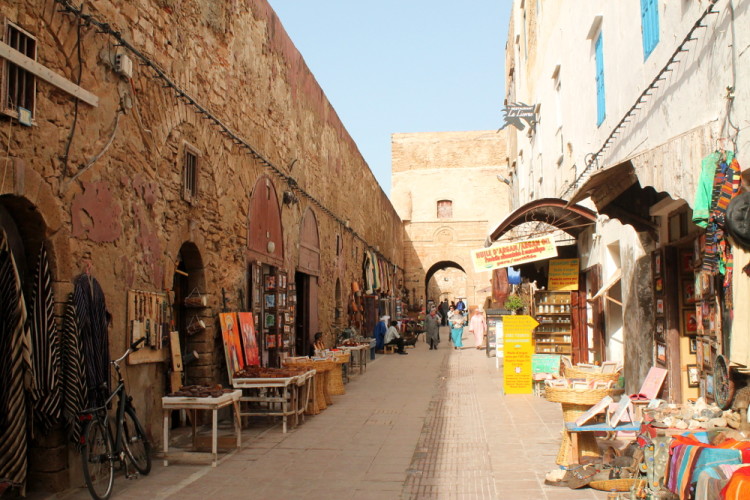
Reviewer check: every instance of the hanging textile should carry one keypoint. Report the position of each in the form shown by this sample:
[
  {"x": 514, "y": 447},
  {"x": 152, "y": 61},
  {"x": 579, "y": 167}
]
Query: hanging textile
[
  {"x": 376, "y": 271},
  {"x": 368, "y": 272},
  {"x": 93, "y": 319},
  {"x": 15, "y": 371},
  {"x": 72, "y": 374},
  {"x": 45, "y": 397},
  {"x": 726, "y": 186}
]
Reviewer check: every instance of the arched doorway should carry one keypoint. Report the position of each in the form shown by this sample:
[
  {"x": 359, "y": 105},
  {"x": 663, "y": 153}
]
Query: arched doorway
[
  {"x": 306, "y": 279},
  {"x": 445, "y": 280},
  {"x": 192, "y": 321}
]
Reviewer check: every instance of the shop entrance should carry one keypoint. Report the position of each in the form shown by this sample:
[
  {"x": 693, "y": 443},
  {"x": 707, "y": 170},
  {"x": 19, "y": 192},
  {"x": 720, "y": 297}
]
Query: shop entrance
[
  {"x": 307, "y": 317},
  {"x": 189, "y": 319}
]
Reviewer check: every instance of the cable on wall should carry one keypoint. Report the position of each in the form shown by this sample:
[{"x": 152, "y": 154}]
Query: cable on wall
[
  {"x": 593, "y": 158},
  {"x": 168, "y": 83}
]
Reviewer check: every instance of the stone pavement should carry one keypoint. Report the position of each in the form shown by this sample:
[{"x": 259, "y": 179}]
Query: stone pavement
[{"x": 430, "y": 425}]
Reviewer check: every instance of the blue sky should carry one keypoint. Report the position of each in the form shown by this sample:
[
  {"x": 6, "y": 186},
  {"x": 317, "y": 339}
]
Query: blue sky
[{"x": 403, "y": 65}]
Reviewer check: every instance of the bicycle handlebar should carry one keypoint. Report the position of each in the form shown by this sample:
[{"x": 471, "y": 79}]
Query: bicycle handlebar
[{"x": 135, "y": 345}]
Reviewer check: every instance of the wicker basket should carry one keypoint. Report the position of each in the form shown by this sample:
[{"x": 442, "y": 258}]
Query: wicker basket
[
  {"x": 575, "y": 396},
  {"x": 573, "y": 372},
  {"x": 617, "y": 484}
]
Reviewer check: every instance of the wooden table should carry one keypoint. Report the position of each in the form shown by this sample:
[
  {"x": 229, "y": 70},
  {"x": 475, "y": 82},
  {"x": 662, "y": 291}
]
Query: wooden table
[
  {"x": 211, "y": 404},
  {"x": 575, "y": 430},
  {"x": 359, "y": 354},
  {"x": 275, "y": 396}
]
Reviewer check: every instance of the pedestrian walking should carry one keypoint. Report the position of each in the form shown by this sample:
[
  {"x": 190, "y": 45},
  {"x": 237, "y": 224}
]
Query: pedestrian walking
[
  {"x": 457, "y": 329},
  {"x": 432, "y": 328},
  {"x": 444, "y": 312},
  {"x": 478, "y": 326}
]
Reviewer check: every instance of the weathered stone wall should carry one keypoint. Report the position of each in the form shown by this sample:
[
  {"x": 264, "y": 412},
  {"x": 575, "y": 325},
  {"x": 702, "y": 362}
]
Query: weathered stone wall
[
  {"x": 461, "y": 167},
  {"x": 113, "y": 204}
]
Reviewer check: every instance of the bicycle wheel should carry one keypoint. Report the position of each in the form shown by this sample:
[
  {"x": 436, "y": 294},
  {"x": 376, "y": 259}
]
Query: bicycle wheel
[
  {"x": 98, "y": 463},
  {"x": 135, "y": 442}
]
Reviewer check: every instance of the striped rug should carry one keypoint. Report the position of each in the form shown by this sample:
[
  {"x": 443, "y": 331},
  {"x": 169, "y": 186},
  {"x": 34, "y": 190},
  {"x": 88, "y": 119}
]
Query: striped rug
[
  {"x": 15, "y": 371},
  {"x": 73, "y": 376}
]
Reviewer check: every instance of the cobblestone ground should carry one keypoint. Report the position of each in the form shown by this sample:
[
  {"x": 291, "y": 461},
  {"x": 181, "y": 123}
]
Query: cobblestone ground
[{"x": 432, "y": 425}]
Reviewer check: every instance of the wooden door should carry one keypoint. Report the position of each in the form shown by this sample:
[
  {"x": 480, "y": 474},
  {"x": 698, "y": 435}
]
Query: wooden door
[{"x": 578, "y": 326}]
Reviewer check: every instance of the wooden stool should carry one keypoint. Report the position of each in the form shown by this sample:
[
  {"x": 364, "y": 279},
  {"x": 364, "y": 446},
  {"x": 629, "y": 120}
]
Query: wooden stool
[{"x": 389, "y": 349}]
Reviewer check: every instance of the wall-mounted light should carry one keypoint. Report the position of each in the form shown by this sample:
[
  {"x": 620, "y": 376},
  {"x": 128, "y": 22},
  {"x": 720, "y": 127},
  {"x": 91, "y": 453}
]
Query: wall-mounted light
[
  {"x": 289, "y": 198},
  {"x": 503, "y": 179},
  {"x": 271, "y": 246}
]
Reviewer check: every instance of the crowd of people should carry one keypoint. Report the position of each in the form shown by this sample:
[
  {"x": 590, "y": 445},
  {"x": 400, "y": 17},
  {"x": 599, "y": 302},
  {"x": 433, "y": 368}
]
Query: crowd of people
[{"x": 453, "y": 315}]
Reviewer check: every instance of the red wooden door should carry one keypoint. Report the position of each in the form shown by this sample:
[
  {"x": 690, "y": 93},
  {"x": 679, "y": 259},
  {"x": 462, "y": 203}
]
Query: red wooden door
[{"x": 579, "y": 328}]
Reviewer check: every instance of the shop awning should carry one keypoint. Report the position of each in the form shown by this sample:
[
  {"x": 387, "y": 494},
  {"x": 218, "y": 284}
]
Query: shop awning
[
  {"x": 604, "y": 290},
  {"x": 567, "y": 217},
  {"x": 617, "y": 193}
]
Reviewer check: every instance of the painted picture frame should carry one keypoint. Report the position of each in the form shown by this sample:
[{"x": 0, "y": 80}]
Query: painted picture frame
[
  {"x": 699, "y": 351},
  {"x": 693, "y": 345},
  {"x": 269, "y": 281},
  {"x": 659, "y": 286},
  {"x": 249, "y": 343},
  {"x": 661, "y": 353},
  {"x": 688, "y": 291},
  {"x": 686, "y": 261},
  {"x": 693, "y": 376},
  {"x": 230, "y": 333},
  {"x": 270, "y": 321},
  {"x": 659, "y": 307},
  {"x": 657, "y": 263},
  {"x": 706, "y": 356},
  {"x": 270, "y": 301},
  {"x": 710, "y": 386},
  {"x": 689, "y": 322},
  {"x": 659, "y": 329}
]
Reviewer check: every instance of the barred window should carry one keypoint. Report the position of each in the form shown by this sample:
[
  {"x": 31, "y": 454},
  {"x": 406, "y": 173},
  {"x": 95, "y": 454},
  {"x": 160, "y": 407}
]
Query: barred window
[
  {"x": 18, "y": 85},
  {"x": 190, "y": 174}
]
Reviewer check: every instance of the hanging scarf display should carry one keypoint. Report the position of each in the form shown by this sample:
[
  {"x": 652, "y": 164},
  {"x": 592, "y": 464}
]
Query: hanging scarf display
[
  {"x": 725, "y": 187},
  {"x": 93, "y": 319},
  {"x": 15, "y": 371},
  {"x": 368, "y": 272},
  {"x": 73, "y": 376},
  {"x": 45, "y": 397}
]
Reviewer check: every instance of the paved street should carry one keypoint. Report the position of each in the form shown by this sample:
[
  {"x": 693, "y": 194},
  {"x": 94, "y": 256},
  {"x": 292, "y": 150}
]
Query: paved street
[{"x": 433, "y": 424}]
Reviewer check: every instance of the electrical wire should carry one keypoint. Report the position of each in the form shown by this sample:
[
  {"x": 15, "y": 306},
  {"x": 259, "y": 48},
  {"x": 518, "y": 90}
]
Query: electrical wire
[{"x": 106, "y": 29}]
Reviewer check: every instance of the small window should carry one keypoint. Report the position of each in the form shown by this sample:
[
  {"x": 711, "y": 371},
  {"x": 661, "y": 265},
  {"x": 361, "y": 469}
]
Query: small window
[
  {"x": 649, "y": 26},
  {"x": 444, "y": 209},
  {"x": 18, "y": 85},
  {"x": 190, "y": 174}
]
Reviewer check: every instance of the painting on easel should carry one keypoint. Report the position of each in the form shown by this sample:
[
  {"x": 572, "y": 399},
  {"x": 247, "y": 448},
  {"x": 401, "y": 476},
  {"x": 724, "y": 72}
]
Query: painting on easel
[
  {"x": 249, "y": 342},
  {"x": 230, "y": 334}
]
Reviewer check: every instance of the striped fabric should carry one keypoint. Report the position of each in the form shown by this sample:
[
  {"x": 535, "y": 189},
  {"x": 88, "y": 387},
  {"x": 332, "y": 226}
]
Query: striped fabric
[
  {"x": 73, "y": 377},
  {"x": 45, "y": 397},
  {"x": 93, "y": 320},
  {"x": 15, "y": 371}
]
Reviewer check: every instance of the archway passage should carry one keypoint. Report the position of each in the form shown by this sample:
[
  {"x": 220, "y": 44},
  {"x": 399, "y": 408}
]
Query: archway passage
[{"x": 445, "y": 280}]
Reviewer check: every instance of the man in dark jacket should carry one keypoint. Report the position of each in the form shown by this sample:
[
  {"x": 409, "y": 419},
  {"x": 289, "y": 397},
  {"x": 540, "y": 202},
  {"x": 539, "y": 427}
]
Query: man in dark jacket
[{"x": 444, "y": 312}]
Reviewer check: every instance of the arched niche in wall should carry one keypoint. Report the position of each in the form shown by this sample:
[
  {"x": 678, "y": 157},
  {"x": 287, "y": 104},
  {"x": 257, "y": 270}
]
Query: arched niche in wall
[
  {"x": 309, "y": 245},
  {"x": 264, "y": 232}
]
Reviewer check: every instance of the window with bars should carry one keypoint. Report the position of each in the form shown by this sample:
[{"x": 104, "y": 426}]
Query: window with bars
[
  {"x": 444, "y": 209},
  {"x": 18, "y": 85},
  {"x": 190, "y": 174}
]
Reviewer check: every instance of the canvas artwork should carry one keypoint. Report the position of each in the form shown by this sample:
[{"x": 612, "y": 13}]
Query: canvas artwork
[
  {"x": 693, "y": 345},
  {"x": 270, "y": 301},
  {"x": 230, "y": 333},
  {"x": 249, "y": 342},
  {"x": 661, "y": 353},
  {"x": 659, "y": 306},
  {"x": 688, "y": 291},
  {"x": 686, "y": 262},
  {"x": 689, "y": 322},
  {"x": 657, "y": 263},
  {"x": 270, "y": 320},
  {"x": 693, "y": 375}
]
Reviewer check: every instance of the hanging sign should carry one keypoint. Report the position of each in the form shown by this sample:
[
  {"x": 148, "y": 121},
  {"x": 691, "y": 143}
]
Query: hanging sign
[
  {"x": 513, "y": 254},
  {"x": 515, "y": 112},
  {"x": 519, "y": 350},
  {"x": 563, "y": 274}
]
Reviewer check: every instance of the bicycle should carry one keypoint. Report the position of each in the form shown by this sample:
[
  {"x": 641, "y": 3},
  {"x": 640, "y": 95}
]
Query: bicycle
[{"x": 100, "y": 450}]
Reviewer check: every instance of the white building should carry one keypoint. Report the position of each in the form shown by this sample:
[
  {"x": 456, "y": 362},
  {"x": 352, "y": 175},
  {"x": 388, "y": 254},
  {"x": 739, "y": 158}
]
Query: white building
[{"x": 630, "y": 96}]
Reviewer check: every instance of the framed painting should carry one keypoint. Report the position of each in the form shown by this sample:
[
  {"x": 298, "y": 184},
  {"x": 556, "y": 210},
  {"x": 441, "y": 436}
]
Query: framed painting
[
  {"x": 230, "y": 333},
  {"x": 693, "y": 345},
  {"x": 659, "y": 285},
  {"x": 661, "y": 353},
  {"x": 659, "y": 329},
  {"x": 659, "y": 307},
  {"x": 699, "y": 351},
  {"x": 710, "y": 386},
  {"x": 270, "y": 320},
  {"x": 686, "y": 262},
  {"x": 688, "y": 291},
  {"x": 689, "y": 322},
  {"x": 706, "y": 355},
  {"x": 657, "y": 263},
  {"x": 693, "y": 376},
  {"x": 249, "y": 342},
  {"x": 270, "y": 300}
]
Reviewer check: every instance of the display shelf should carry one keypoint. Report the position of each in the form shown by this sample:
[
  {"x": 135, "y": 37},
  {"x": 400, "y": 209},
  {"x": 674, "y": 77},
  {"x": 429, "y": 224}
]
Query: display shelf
[{"x": 552, "y": 311}]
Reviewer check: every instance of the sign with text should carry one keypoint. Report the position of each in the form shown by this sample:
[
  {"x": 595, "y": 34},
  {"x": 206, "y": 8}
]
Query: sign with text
[
  {"x": 519, "y": 350},
  {"x": 515, "y": 113},
  {"x": 512, "y": 254},
  {"x": 563, "y": 274}
]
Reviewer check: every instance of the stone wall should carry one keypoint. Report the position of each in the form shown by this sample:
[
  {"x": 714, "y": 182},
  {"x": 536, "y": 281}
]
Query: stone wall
[
  {"x": 106, "y": 181},
  {"x": 460, "y": 167}
]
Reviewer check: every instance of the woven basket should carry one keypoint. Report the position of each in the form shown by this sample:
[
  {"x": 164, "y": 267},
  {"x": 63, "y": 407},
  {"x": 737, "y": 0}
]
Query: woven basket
[
  {"x": 573, "y": 372},
  {"x": 617, "y": 484},
  {"x": 587, "y": 445},
  {"x": 575, "y": 396},
  {"x": 336, "y": 381}
]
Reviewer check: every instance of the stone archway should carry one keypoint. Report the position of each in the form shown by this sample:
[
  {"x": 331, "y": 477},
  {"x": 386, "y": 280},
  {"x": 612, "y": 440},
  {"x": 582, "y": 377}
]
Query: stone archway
[{"x": 450, "y": 284}]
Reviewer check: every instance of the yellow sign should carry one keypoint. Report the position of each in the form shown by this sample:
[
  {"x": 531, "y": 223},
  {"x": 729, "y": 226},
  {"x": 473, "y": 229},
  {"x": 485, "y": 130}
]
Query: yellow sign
[
  {"x": 513, "y": 254},
  {"x": 563, "y": 274},
  {"x": 518, "y": 352}
]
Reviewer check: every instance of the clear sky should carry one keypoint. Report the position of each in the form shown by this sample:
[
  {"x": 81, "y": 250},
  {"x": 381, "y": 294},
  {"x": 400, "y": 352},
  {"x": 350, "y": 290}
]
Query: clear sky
[{"x": 403, "y": 65}]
